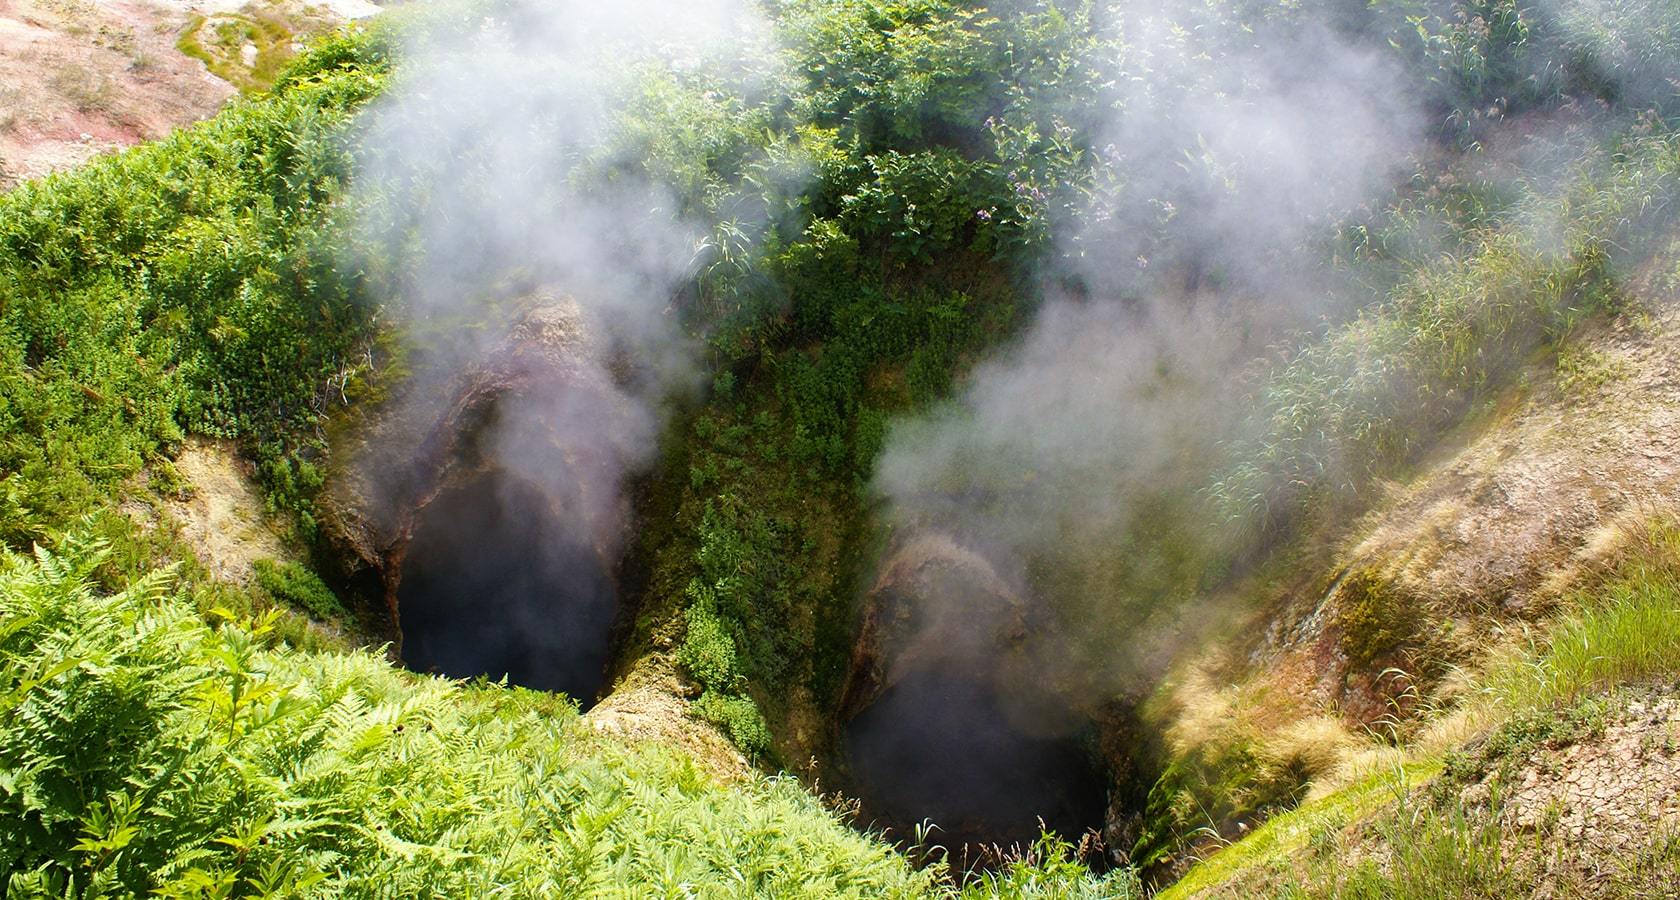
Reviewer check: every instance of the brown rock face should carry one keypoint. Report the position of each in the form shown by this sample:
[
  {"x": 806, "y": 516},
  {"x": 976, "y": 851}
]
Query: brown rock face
[
  {"x": 945, "y": 719},
  {"x": 933, "y": 599},
  {"x": 488, "y": 510}
]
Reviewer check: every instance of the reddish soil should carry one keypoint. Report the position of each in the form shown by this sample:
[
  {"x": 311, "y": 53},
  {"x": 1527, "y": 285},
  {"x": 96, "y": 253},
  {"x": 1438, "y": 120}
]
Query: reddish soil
[
  {"x": 79, "y": 78},
  {"x": 84, "y": 77}
]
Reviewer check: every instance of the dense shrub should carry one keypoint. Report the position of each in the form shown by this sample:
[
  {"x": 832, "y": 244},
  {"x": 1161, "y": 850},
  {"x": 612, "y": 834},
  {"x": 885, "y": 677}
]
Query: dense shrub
[
  {"x": 145, "y": 752},
  {"x": 186, "y": 285},
  {"x": 294, "y": 584}
]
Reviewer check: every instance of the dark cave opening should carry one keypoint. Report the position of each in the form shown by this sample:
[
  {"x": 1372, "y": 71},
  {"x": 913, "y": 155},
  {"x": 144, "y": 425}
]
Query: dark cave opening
[
  {"x": 496, "y": 582},
  {"x": 984, "y": 762}
]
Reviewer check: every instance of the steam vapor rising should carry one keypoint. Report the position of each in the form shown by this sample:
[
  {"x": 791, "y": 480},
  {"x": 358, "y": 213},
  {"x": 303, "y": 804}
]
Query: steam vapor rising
[
  {"x": 1226, "y": 156},
  {"x": 1232, "y": 150},
  {"x": 495, "y": 173}
]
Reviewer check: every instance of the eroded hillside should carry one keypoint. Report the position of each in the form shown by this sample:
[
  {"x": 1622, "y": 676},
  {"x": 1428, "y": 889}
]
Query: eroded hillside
[
  {"x": 850, "y": 448},
  {"x": 82, "y": 77},
  {"x": 1404, "y": 662}
]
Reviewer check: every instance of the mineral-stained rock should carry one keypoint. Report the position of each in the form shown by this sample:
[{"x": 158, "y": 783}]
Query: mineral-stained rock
[{"x": 536, "y": 403}]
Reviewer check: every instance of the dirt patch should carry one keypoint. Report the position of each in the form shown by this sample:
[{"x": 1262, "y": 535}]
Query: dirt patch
[
  {"x": 83, "y": 77},
  {"x": 221, "y": 515},
  {"x": 1603, "y": 796},
  {"x": 79, "y": 78},
  {"x": 649, "y": 705}
]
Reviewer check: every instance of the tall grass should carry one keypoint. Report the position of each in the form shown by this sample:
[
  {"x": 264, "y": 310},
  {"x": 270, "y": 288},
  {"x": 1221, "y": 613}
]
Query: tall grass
[
  {"x": 1365, "y": 400},
  {"x": 1624, "y": 630}
]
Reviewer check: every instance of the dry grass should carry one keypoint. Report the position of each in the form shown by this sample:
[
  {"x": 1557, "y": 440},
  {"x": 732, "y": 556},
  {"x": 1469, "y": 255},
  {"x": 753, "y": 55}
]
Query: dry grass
[
  {"x": 86, "y": 90},
  {"x": 1620, "y": 625}
]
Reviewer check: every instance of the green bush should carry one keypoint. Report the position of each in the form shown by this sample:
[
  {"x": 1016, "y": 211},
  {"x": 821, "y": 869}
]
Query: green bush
[
  {"x": 297, "y": 586},
  {"x": 740, "y": 717},
  {"x": 707, "y": 651},
  {"x": 923, "y": 205},
  {"x": 186, "y": 285},
  {"x": 143, "y": 752}
]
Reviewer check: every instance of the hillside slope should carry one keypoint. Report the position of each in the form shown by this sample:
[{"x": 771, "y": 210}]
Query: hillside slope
[
  {"x": 81, "y": 77},
  {"x": 885, "y": 431},
  {"x": 1413, "y": 684}
]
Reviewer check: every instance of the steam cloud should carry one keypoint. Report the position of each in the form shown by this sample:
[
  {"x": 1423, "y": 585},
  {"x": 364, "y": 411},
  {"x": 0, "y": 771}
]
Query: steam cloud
[
  {"x": 1227, "y": 155},
  {"x": 1233, "y": 151},
  {"x": 498, "y": 173}
]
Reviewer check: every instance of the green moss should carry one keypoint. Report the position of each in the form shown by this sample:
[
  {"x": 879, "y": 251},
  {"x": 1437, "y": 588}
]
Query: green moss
[
  {"x": 296, "y": 585},
  {"x": 218, "y": 41},
  {"x": 739, "y": 717},
  {"x": 1373, "y": 617},
  {"x": 1219, "y": 784}
]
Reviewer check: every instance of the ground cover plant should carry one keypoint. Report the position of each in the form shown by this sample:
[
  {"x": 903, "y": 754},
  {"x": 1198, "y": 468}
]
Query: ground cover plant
[{"x": 888, "y": 207}]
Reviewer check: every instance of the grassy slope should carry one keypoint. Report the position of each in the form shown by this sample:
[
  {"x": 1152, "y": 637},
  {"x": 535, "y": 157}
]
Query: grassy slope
[
  {"x": 1401, "y": 830},
  {"x": 162, "y": 735},
  {"x": 146, "y": 750},
  {"x": 186, "y": 285}
]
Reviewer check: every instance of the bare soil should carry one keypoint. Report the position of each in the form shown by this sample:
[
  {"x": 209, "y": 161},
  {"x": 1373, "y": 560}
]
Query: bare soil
[
  {"x": 650, "y": 704},
  {"x": 1601, "y": 797},
  {"x": 83, "y": 77},
  {"x": 221, "y": 515},
  {"x": 1495, "y": 529}
]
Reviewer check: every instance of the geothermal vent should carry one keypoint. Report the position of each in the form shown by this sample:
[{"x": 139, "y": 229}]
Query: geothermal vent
[
  {"x": 945, "y": 720},
  {"x": 487, "y": 507}
]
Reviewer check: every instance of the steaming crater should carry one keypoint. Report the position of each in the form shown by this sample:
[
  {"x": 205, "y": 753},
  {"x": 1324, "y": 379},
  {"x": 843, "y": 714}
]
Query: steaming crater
[
  {"x": 485, "y": 507},
  {"x": 946, "y": 720},
  {"x": 976, "y": 759},
  {"x": 494, "y": 583}
]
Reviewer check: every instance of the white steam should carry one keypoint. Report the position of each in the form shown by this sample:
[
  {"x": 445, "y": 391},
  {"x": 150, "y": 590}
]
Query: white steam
[
  {"x": 503, "y": 170},
  {"x": 1229, "y": 154}
]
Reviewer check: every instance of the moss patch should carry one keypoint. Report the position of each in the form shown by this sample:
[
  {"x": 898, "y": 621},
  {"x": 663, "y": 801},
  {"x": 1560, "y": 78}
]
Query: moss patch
[
  {"x": 1374, "y": 617},
  {"x": 247, "y": 49}
]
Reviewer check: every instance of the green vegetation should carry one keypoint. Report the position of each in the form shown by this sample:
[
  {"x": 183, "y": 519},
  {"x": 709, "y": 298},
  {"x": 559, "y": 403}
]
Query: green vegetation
[
  {"x": 188, "y": 285},
  {"x": 195, "y": 286},
  {"x": 219, "y": 40},
  {"x": 896, "y": 283},
  {"x": 147, "y": 752},
  {"x": 1278, "y": 842},
  {"x": 1370, "y": 397},
  {"x": 1625, "y": 630},
  {"x": 293, "y": 584},
  {"x": 1374, "y": 618},
  {"x": 911, "y": 169}
]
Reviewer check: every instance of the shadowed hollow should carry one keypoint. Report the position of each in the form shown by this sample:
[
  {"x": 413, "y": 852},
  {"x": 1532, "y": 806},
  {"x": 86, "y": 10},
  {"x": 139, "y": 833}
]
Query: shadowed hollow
[
  {"x": 494, "y": 584},
  {"x": 945, "y": 745}
]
